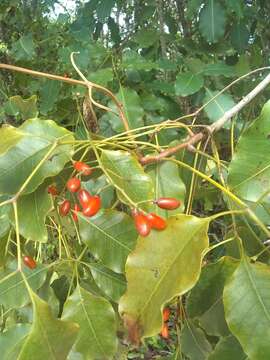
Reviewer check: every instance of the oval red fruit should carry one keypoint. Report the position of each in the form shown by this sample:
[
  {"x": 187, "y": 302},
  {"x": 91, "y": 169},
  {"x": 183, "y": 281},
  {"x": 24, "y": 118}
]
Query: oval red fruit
[
  {"x": 74, "y": 184},
  {"x": 156, "y": 221},
  {"x": 168, "y": 203},
  {"x": 75, "y": 211},
  {"x": 64, "y": 207},
  {"x": 52, "y": 190},
  {"x": 141, "y": 223},
  {"x": 84, "y": 196},
  {"x": 166, "y": 314},
  {"x": 93, "y": 206},
  {"x": 165, "y": 331},
  {"x": 82, "y": 167},
  {"x": 29, "y": 262}
]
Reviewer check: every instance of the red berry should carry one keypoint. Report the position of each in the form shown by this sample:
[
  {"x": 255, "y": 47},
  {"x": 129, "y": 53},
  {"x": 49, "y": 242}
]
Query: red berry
[
  {"x": 82, "y": 167},
  {"x": 93, "y": 206},
  {"x": 29, "y": 262},
  {"x": 75, "y": 211},
  {"x": 141, "y": 223},
  {"x": 84, "y": 197},
  {"x": 165, "y": 331},
  {"x": 156, "y": 221},
  {"x": 74, "y": 184},
  {"x": 166, "y": 314},
  {"x": 64, "y": 208},
  {"x": 168, "y": 203},
  {"x": 52, "y": 190}
]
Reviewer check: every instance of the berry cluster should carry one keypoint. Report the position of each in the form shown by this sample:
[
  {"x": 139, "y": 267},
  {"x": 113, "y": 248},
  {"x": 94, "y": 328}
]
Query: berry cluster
[
  {"x": 145, "y": 222},
  {"x": 89, "y": 204}
]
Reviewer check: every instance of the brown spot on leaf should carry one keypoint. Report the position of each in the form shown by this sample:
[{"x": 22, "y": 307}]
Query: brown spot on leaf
[{"x": 133, "y": 328}]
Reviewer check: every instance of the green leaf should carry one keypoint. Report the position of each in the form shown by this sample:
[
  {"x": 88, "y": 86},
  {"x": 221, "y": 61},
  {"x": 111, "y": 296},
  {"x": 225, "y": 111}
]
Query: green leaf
[
  {"x": 104, "y": 9},
  {"x": 97, "y": 336},
  {"x": 13, "y": 291},
  {"x": 132, "y": 109},
  {"x": 212, "y": 21},
  {"x": 240, "y": 37},
  {"x": 34, "y": 206},
  {"x": 218, "y": 69},
  {"x": 157, "y": 271},
  {"x": 24, "y": 48},
  {"x": 10, "y": 136},
  {"x": 49, "y": 338},
  {"x": 26, "y": 108},
  {"x": 205, "y": 299},
  {"x": 247, "y": 308},
  {"x": 134, "y": 61},
  {"x": 167, "y": 182},
  {"x": 36, "y": 139},
  {"x": 110, "y": 236},
  {"x": 188, "y": 83},
  {"x": 228, "y": 348},
  {"x": 113, "y": 285},
  {"x": 194, "y": 343},
  {"x": 249, "y": 172},
  {"x": 124, "y": 171},
  {"x": 12, "y": 340},
  {"x": 48, "y": 95},
  {"x": 217, "y": 108},
  {"x": 101, "y": 76},
  {"x": 146, "y": 37}
]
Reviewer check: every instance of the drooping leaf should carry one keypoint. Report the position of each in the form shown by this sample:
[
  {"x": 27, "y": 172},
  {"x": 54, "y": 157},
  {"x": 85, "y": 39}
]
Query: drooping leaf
[
  {"x": 194, "y": 343},
  {"x": 13, "y": 291},
  {"x": 49, "y": 337},
  {"x": 36, "y": 139},
  {"x": 188, "y": 83},
  {"x": 32, "y": 211},
  {"x": 167, "y": 183},
  {"x": 228, "y": 348},
  {"x": 212, "y": 21},
  {"x": 124, "y": 170},
  {"x": 132, "y": 109},
  {"x": 249, "y": 172},
  {"x": 97, "y": 336},
  {"x": 157, "y": 271},
  {"x": 110, "y": 236},
  {"x": 217, "y": 107},
  {"x": 27, "y": 108},
  {"x": 12, "y": 340},
  {"x": 24, "y": 48},
  {"x": 205, "y": 299},
  {"x": 240, "y": 37},
  {"x": 247, "y": 307},
  {"x": 113, "y": 285}
]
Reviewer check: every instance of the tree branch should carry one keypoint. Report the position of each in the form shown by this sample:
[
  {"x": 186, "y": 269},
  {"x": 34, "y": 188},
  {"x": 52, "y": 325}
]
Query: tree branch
[{"x": 194, "y": 139}]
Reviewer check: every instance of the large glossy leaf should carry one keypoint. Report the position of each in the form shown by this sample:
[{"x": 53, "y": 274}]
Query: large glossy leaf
[
  {"x": 249, "y": 171},
  {"x": 212, "y": 21},
  {"x": 113, "y": 285},
  {"x": 247, "y": 308},
  {"x": 12, "y": 340},
  {"x": 110, "y": 236},
  {"x": 228, "y": 348},
  {"x": 167, "y": 183},
  {"x": 163, "y": 265},
  {"x": 97, "y": 336},
  {"x": 188, "y": 83},
  {"x": 13, "y": 291},
  {"x": 124, "y": 170},
  {"x": 32, "y": 211},
  {"x": 36, "y": 139},
  {"x": 217, "y": 107},
  {"x": 205, "y": 300},
  {"x": 49, "y": 338},
  {"x": 132, "y": 108},
  {"x": 194, "y": 343}
]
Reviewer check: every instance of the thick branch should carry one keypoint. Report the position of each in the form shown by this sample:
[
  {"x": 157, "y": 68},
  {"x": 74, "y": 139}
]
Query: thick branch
[{"x": 194, "y": 139}]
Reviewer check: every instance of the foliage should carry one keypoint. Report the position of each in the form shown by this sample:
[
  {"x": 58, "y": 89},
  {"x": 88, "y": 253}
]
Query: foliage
[{"x": 96, "y": 288}]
